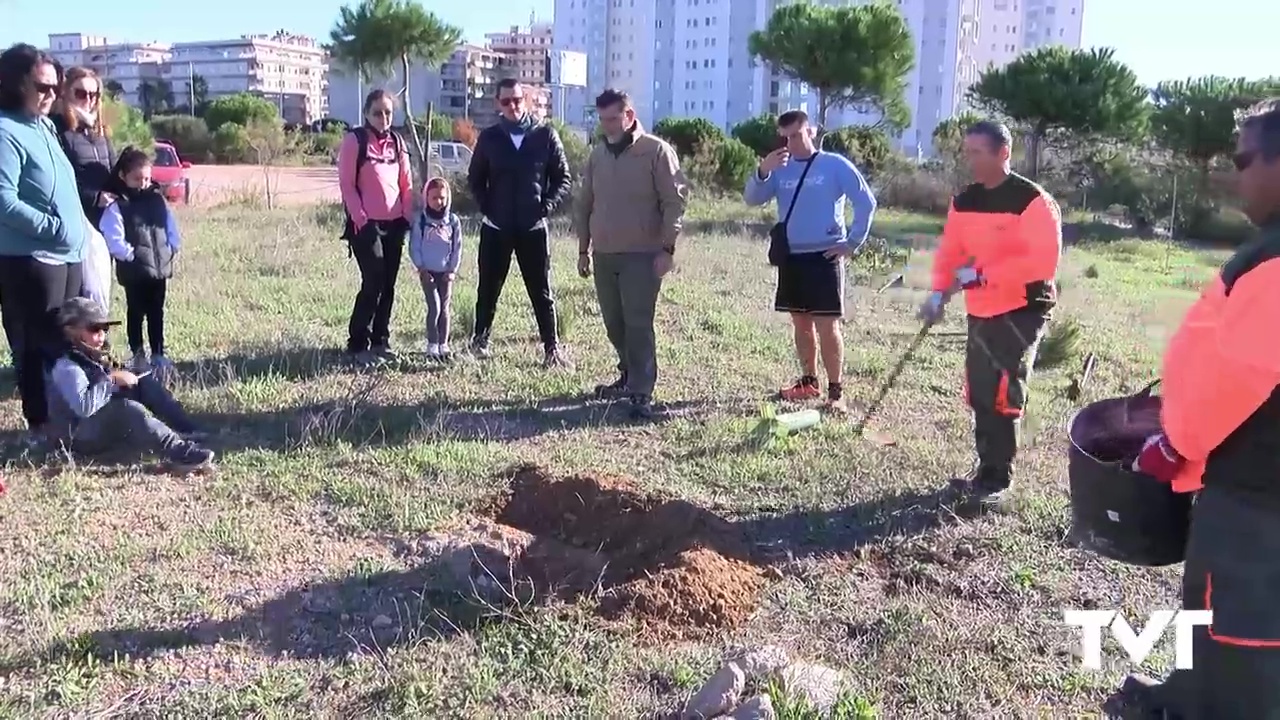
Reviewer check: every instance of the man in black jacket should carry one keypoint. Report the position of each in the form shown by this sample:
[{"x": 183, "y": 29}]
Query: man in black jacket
[{"x": 518, "y": 176}]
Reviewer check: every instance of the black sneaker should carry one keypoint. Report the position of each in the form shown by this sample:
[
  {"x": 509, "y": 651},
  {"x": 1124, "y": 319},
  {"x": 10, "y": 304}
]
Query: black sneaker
[
  {"x": 835, "y": 399},
  {"x": 640, "y": 407},
  {"x": 1137, "y": 699},
  {"x": 384, "y": 352},
  {"x": 985, "y": 484},
  {"x": 187, "y": 457},
  {"x": 480, "y": 348},
  {"x": 616, "y": 389}
]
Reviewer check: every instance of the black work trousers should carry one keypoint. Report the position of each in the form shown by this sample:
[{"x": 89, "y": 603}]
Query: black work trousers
[
  {"x": 32, "y": 294},
  {"x": 377, "y": 249},
  {"x": 1232, "y": 568},
  {"x": 532, "y": 250},
  {"x": 145, "y": 304}
]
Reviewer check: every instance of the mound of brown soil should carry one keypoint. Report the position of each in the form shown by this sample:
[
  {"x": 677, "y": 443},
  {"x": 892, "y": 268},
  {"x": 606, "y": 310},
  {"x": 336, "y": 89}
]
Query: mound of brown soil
[{"x": 664, "y": 560}]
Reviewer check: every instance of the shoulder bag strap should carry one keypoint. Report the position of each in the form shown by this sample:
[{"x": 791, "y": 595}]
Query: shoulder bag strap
[{"x": 805, "y": 173}]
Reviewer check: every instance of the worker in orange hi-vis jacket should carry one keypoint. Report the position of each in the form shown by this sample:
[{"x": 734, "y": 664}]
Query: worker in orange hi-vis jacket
[
  {"x": 1001, "y": 245},
  {"x": 1220, "y": 418}
]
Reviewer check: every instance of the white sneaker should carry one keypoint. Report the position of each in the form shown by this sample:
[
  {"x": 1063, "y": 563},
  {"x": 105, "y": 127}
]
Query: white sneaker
[{"x": 433, "y": 350}]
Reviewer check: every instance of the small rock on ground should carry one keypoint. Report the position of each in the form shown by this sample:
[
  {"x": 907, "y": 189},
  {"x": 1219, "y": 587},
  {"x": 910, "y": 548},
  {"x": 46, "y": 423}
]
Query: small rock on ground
[
  {"x": 819, "y": 685},
  {"x": 761, "y": 662},
  {"x": 759, "y": 707},
  {"x": 719, "y": 695}
]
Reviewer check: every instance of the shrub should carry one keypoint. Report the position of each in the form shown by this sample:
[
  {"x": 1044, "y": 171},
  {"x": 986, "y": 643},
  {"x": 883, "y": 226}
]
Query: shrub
[
  {"x": 576, "y": 148},
  {"x": 688, "y": 135},
  {"x": 735, "y": 160},
  {"x": 910, "y": 188},
  {"x": 464, "y": 131},
  {"x": 866, "y": 147},
  {"x": 759, "y": 133},
  {"x": 231, "y": 143},
  {"x": 189, "y": 135},
  {"x": 128, "y": 126},
  {"x": 241, "y": 109}
]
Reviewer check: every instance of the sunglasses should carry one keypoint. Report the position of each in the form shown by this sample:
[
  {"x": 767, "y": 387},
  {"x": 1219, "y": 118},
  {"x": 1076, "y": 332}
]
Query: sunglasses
[
  {"x": 82, "y": 94},
  {"x": 511, "y": 101},
  {"x": 46, "y": 89}
]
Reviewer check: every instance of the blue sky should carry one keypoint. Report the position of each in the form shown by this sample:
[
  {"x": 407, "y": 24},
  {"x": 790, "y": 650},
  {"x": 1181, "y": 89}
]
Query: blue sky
[{"x": 1157, "y": 41}]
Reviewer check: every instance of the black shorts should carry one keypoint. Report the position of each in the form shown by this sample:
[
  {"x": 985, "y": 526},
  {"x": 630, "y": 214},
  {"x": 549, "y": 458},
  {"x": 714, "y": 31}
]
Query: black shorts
[{"x": 811, "y": 283}]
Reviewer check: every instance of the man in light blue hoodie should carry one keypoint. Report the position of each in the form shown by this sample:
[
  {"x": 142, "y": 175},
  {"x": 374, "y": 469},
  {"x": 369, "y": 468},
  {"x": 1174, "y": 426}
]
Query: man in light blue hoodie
[
  {"x": 42, "y": 224},
  {"x": 811, "y": 188}
]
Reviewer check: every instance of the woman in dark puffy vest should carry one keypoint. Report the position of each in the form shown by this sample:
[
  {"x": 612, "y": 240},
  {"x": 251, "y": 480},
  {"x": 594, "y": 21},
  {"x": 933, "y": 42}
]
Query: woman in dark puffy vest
[
  {"x": 86, "y": 139},
  {"x": 142, "y": 235}
]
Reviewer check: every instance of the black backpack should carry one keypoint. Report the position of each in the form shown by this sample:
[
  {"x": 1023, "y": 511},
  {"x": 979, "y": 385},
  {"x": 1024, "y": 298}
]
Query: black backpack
[{"x": 362, "y": 157}]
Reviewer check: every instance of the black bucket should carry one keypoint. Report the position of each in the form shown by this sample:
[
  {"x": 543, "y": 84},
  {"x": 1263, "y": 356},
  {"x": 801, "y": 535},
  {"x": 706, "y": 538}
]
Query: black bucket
[{"x": 1119, "y": 514}]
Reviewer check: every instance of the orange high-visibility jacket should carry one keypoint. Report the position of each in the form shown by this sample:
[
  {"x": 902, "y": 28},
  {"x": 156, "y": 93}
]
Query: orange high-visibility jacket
[
  {"x": 1013, "y": 235},
  {"x": 1221, "y": 407}
]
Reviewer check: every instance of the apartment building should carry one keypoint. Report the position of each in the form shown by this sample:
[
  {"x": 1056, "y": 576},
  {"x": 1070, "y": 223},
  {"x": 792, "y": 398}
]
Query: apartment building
[
  {"x": 288, "y": 69},
  {"x": 528, "y": 50},
  {"x": 623, "y": 41},
  {"x": 469, "y": 85},
  {"x": 696, "y": 52},
  {"x": 133, "y": 66}
]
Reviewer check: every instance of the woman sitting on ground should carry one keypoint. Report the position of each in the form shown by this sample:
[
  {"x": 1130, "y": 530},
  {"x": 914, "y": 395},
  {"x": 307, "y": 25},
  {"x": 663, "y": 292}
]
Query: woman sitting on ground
[{"x": 97, "y": 406}]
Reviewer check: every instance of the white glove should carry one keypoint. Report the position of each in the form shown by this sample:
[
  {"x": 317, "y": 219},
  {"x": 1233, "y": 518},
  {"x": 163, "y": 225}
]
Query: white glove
[{"x": 932, "y": 309}]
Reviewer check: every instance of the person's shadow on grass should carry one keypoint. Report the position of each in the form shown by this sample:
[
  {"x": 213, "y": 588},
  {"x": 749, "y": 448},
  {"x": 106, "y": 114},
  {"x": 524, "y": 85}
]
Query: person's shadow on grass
[
  {"x": 329, "y": 619},
  {"x": 800, "y": 533}
]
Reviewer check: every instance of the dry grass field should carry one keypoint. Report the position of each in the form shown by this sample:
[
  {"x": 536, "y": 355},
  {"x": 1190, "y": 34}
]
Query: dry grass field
[{"x": 305, "y": 578}]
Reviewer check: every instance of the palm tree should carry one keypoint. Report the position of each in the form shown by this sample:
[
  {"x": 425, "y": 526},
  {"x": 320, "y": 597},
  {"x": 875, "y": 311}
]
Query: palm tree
[{"x": 374, "y": 36}]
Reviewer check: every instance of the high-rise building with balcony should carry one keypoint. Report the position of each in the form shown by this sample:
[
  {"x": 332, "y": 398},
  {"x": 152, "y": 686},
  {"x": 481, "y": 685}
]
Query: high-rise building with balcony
[
  {"x": 285, "y": 68},
  {"x": 529, "y": 52},
  {"x": 134, "y": 67},
  {"x": 690, "y": 58},
  {"x": 469, "y": 85}
]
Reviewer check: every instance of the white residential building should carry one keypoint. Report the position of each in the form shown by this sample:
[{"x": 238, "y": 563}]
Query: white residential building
[
  {"x": 131, "y": 65},
  {"x": 702, "y": 44},
  {"x": 285, "y": 68}
]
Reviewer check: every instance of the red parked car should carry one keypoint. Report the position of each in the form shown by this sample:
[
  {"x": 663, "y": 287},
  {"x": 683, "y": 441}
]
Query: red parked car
[{"x": 170, "y": 172}]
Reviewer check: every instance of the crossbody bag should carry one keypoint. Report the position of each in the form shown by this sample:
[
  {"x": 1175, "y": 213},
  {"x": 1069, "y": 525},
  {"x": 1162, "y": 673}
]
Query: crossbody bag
[{"x": 779, "y": 244}]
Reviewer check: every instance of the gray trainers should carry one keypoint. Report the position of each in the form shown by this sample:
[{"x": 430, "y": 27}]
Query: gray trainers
[{"x": 187, "y": 457}]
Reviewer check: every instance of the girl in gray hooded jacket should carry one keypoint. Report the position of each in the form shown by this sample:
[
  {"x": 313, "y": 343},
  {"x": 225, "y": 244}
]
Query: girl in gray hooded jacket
[{"x": 435, "y": 248}]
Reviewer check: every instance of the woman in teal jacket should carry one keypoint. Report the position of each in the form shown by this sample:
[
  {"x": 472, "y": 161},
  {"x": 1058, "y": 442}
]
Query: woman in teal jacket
[{"x": 42, "y": 224}]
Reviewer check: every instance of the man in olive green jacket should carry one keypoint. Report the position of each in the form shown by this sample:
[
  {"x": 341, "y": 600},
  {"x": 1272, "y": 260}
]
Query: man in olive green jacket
[{"x": 628, "y": 217}]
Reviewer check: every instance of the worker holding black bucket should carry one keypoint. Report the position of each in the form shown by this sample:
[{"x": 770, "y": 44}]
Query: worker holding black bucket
[{"x": 1219, "y": 440}]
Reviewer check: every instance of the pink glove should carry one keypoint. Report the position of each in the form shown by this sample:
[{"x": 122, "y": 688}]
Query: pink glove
[{"x": 1158, "y": 459}]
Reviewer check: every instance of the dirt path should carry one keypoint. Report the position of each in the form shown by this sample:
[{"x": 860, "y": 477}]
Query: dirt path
[{"x": 214, "y": 184}]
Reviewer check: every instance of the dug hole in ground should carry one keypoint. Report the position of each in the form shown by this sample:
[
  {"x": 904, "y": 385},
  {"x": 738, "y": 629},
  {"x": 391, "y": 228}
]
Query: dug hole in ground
[{"x": 676, "y": 569}]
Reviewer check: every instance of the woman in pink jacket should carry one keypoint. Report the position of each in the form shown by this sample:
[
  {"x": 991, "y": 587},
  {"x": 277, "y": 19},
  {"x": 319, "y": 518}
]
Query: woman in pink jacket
[{"x": 377, "y": 193}]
